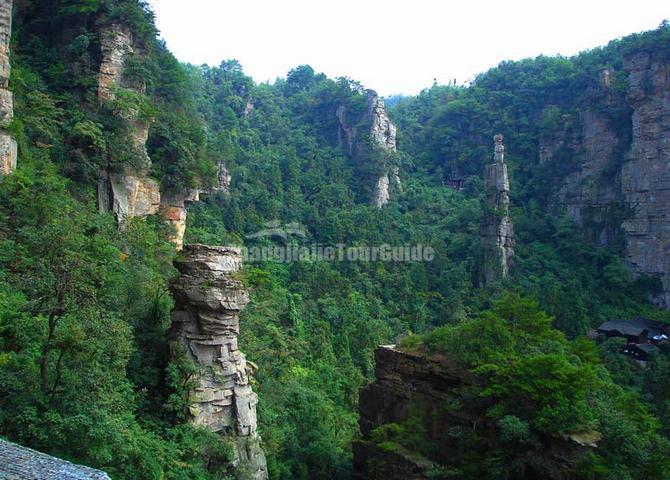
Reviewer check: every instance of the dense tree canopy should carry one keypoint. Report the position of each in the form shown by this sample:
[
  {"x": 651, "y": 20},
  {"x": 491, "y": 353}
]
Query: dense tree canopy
[{"x": 84, "y": 367}]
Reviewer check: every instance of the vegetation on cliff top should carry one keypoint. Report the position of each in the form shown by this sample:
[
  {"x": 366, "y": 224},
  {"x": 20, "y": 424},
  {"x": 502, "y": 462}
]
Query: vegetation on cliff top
[{"x": 533, "y": 384}]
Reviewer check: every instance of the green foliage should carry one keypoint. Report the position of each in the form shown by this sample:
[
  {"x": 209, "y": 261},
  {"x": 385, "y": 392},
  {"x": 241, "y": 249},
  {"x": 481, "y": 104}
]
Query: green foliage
[
  {"x": 85, "y": 370},
  {"x": 537, "y": 388}
]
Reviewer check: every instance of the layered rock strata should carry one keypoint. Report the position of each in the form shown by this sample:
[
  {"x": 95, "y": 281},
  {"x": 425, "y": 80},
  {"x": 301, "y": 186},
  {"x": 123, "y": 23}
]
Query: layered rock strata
[
  {"x": 645, "y": 173},
  {"x": 380, "y": 132},
  {"x": 174, "y": 205},
  {"x": 8, "y": 146},
  {"x": 404, "y": 382},
  {"x": 620, "y": 189},
  {"x": 419, "y": 417},
  {"x": 130, "y": 192},
  {"x": 496, "y": 229},
  {"x": 205, "y": 327}
]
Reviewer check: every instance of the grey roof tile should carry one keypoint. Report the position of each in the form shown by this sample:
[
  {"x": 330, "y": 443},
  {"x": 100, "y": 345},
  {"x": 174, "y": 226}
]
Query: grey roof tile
[{"x": 21, "y": 463}]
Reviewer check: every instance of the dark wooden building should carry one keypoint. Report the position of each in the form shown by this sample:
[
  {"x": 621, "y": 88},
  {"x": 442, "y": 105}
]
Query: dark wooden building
[
  {"x": 639, "y": 352},
  {"x": 639, "y": 330}
]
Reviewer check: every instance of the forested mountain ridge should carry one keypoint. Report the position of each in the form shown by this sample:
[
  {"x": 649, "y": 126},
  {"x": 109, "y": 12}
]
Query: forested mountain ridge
[{"x": 85, "y": 370}]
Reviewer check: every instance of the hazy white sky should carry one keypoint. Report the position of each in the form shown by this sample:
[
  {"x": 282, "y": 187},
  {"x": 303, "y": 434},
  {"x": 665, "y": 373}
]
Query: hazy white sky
[{"x": 393, "y": 46}]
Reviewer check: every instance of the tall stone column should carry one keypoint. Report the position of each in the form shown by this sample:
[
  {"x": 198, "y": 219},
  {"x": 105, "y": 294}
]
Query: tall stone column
[
  {"x": 8, "y": 147},
  {"x": 496, "y": 229},
  {"x": 381, "y": 132},
  {"x": 205, "y": 326}
]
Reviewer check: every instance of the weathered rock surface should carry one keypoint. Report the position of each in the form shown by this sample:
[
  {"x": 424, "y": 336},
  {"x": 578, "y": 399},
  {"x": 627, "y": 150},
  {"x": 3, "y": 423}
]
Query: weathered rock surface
[
  {"x": 205, "y": 327},
  {"x": 174, "y": 205},
  {"x": 130, "y": 192},
  {"x": 173, "y": 211},
  {"x": 496, "y": 230},
  {"x": 645, "y": 174},
  {"x": 621, "y": 187},
  {"x": 585, "y": 194},
  {"x": 116, "y": 43},
  {"x": 435, "y": 396},
  {"x": 380, "y": 131},
  {"x": 8, "y": 146},
  {"x": 128, "y": 195}
]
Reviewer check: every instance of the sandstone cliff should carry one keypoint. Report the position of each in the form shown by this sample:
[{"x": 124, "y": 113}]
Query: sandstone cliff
[
  {"x": 496, "y": 230},
  {"x": 378, "y": 134},
  {"x": 205, "y": 327},
  {"x": 8, "y": 147},
  {"x": 130, "y": 192},
  {"x": 621, "y": 186},
  {"x": 420, "y": 419},
  {"x": 174, "y": 205},
  {"x": 645, "y": 173}
]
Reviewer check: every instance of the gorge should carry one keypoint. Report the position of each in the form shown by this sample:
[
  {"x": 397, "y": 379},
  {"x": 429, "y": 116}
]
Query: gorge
[{"x": 128, "y": 308}]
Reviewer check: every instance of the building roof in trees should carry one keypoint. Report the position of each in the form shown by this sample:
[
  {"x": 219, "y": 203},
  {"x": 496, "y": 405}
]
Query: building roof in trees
[{"x": 635, "y": 327}]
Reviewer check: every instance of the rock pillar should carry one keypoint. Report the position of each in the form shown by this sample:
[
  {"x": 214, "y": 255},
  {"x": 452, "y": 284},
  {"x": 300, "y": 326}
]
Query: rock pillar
[
  {"x": 205, "y": 326},
  {"x": 496, "y": 230}
]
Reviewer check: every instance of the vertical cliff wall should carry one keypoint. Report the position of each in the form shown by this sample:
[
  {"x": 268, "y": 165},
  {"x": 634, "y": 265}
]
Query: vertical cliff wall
[
  {"x": 205, "y": 327},
  {"x": 129, "y": 192},
  {"x": 422, "y": 419},
  {"x": 496, "y": 230},
  {"x": 645, "y": 174},
  {"x": 8, "y": 147},
  {"x": 621, "y": 187},
  {"x": 379, "y": 133}
]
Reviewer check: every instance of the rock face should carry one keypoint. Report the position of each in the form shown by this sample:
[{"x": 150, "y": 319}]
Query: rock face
[
  {"x": 128, "y": 195},
  {"x": 403, "y": 382},
  {"x": 621, "y": 187},
  {"x": 378, "y": 131},
  {"x": 8, "y": 147},
  {"x": 645, "y": 174},
  {"x": 432, "y": 397},
  {"x": 173, "y": 211},
  {"x": 174, "y": 205},
  {"x": 130, "y": 192},
  {"x": 205, "y": 326},
  {"x": 591, "y": 193},
  {"x": 496, "y": 230}
]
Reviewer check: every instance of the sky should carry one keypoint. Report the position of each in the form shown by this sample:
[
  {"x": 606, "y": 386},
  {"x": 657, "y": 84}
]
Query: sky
[{"x": 392, "y": 46}]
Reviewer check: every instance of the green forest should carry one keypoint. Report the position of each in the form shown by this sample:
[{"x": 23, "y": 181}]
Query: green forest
[{"x": 85, "y": 369}]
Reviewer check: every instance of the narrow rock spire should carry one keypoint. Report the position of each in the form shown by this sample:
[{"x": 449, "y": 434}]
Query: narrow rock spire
[
  {"x": 205, "y": 326},
  {"x": 380, "y": 133},
  {"x": 496, "y": 230}
]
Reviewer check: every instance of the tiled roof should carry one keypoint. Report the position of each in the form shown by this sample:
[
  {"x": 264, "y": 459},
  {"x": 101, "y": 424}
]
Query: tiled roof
[
  {"x": 634, "y": 327},
  {"x": 21, "y": 463}
]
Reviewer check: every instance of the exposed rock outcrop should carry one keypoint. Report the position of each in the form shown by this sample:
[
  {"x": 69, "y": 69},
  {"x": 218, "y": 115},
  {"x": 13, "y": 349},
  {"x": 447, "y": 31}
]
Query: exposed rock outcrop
[
  {"x": 8, "y": 147},
  {"x": 645, "y": 174},
  {"x": 496, "y": 230},
  {"x": 404, "y": 382},
  {"x": 205, "y": 327},
  {"x": 130, "y": 192},
  {"x": 379, "y": 134},
  {"x": 128, "y": 195},
  {"x": 585, "y": 195},
  {"x": 419, "y": 419},
  {"x": 173, "y": 211},
  {"x": 621, "y": 186},
  {"x": 174, "y": 205}
]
